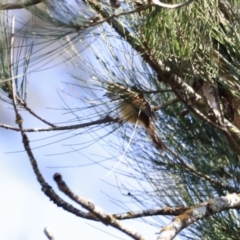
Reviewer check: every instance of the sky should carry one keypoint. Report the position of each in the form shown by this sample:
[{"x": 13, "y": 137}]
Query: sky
[{"x": 25, "y": 210}]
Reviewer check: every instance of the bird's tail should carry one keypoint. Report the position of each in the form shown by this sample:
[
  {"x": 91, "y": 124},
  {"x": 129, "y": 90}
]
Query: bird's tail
[{"x": 157, "y": 141}]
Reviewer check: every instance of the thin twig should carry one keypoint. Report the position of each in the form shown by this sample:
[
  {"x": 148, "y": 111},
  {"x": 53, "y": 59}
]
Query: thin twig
[
  {"x": 24, "y": 104},
  {"x": 47, "y": 189},
  {"x": 109, "y": 17},
  {"x": 104, "y": 120},
  {"x": 107, "y": 219}
]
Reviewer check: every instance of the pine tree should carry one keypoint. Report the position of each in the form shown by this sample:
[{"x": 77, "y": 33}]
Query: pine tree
[{"x": 161, "y": 85}]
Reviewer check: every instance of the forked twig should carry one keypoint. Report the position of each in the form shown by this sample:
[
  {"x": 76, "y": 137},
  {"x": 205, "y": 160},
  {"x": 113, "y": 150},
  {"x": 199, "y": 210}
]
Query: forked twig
[
  {"x": 107, "y": 219},
  {"x": 24, "y": 104}
]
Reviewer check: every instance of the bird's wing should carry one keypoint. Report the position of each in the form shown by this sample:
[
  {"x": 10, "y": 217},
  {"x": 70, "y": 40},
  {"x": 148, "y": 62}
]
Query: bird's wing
[{"x": 140, "y": 104}]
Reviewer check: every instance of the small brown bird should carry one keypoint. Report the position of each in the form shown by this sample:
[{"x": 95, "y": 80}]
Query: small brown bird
[{"x": 134, "y": 108}]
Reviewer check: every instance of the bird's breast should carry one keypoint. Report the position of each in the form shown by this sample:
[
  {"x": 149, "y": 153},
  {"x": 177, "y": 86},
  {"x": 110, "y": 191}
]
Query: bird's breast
[{"x": 130, "y": 114}]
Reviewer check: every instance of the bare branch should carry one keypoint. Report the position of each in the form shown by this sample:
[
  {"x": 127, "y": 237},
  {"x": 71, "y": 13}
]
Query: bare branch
[
  {"x": 47, "y": 189},
  {"x": 24, "y": 104},
  {"x": 48, "y": 234},
  {"x": 11, "y": 6},
  {"x": 173, "y": 211},
  {"x": 107, "y": 219},
  {"x": 106, "y": 119},
  {"x": 198, "y": 212}
]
